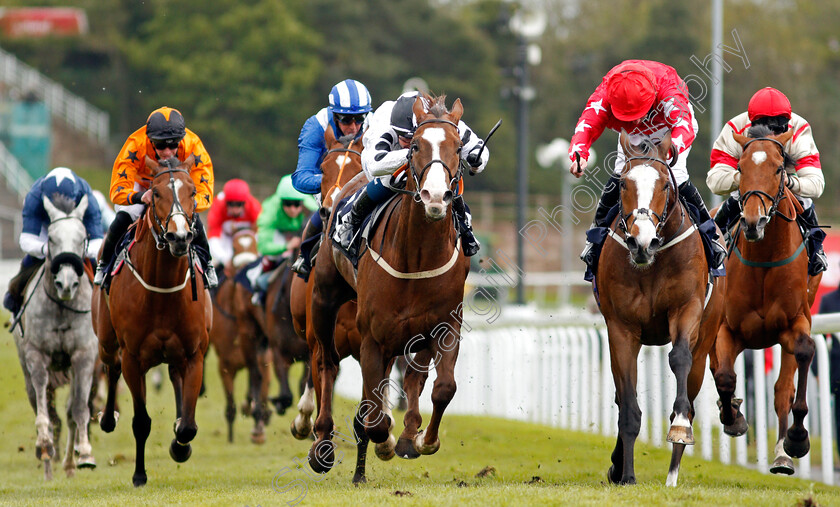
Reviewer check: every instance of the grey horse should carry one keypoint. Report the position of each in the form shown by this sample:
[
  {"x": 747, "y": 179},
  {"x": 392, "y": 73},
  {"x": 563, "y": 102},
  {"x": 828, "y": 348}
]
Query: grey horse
[{"x": 55, "y": 338}]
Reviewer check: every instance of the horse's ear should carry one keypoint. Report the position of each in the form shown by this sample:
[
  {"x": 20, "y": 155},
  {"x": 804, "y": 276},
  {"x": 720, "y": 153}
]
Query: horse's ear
[
  {"x": 188, "y": 163},
  {"x": 624, "y": 141},
  {"x": 784, "y": 138},
  {"x": 81, "y": 208},
  {"x": 419, "y": 109},
  {"x": 742, "y": 140},
  {"x": 457, "y": 111},
  {"x": 51, "y": 210},
  {"x": 152, "y": 165},
  {"x": 329, "y": 136}
]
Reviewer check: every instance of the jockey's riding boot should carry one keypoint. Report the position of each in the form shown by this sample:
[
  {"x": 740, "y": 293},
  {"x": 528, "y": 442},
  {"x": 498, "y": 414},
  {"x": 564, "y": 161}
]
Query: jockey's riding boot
[
  {"x": 310, "y": 235},
  {"x": 609, "y": 198},
  {"x": 351, "y": 222},
  {"x": 202, "y": 248},
  {"x": 14, "y": 297},
  {"x": 469, "y": 242},
  {"x": 110, "y": 243},
  {"x": 727, "y": 214},
  {"x": 692, "y": 196},
  {"x": 817, "y": 262}
]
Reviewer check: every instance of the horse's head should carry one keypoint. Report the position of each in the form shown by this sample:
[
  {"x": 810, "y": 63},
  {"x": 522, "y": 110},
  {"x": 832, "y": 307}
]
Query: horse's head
[
  {"x": 342, "y": 162},
  {"x": 648, "y": 194},
  {"x": 762, "y": 186},
  {"x": 67, "y": 242},
  {"x": 173, "y": 204},
  {"x": 244, "y": 248},
  {"x": 434, "y": 160}
]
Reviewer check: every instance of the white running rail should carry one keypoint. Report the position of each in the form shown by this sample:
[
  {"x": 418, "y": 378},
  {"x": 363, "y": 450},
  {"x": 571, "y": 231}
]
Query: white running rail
[
  {"x": 74, "y": 110},
  {"x": 556, "y": 371}
]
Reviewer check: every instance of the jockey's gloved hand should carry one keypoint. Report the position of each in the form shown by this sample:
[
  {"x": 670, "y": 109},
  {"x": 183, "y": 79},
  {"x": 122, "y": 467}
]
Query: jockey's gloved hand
[{"x": 474, "y": 160}]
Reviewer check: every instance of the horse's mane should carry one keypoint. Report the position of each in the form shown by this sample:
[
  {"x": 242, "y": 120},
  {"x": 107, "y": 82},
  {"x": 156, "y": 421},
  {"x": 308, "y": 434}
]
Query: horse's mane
[
  {"x": 757, "y": 131},
  {"x": 62, "y": 202},
  {"x": 435, "y": 105}
]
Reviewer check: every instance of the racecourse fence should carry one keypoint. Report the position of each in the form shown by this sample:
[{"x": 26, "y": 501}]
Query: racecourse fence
[{"x": 555, "y": 369}]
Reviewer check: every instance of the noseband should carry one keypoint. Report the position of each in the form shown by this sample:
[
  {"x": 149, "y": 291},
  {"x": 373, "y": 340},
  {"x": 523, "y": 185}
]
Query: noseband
[
  {"x": 644, "y": 212},
  {"x": 175, "y": 210},
  {"x": 67, "y": 257},
  {"x": 774, "y": 207},
  {"x": 453, "y": 182}
]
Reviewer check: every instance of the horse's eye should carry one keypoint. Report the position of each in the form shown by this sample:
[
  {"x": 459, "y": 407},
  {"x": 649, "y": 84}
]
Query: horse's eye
[{"x": 414, "y": 147}]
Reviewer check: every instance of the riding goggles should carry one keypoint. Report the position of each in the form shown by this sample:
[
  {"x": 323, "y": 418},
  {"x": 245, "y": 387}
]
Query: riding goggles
[{"x": 349, "y": 119}]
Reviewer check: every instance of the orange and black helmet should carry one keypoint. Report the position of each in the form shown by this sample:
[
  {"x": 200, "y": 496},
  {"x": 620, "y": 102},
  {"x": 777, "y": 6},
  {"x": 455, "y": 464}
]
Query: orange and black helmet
[{"x": 165, "y": 123}]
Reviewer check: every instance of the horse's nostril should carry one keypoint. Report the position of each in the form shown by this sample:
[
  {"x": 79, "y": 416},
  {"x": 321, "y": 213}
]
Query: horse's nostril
[
  {"x": 447, "y": 197},
  {"x": 425, "y": 196},
  {"x": 190, "y": 236},
  {"x": 169, "y": 236}
]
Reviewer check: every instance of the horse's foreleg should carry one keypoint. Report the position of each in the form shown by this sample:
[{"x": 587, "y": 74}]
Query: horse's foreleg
[
  {"x": 362, "y": 441},
  {"x": 177, "y": 387},
  {"x": 186, "y": 427},
  {"x": 680, "y": 361},
  {"x": 320, "y": 322},
  {"x": 227, "y": 373},
  {"x": 796, "y": 441},
  {"x": 282, "y": 363},
  {"x": 427, "y": 441},
  {"x": 141, "y": 423},
  {"x": 247, "y": 342},
  {"x": 726, "y": 350},
  {"x": 83, "y": 362},
  {"x": 782, "y": 401},
  {"x": 302, "y": 423},
  {"x": 416, "y": 373},
  {"x": 624, "y": 351},
  {"x": 375, "y": 392},
  {"x": 108, "y": 419},
  {"x": 44, "y": 449},
  {"x": 55, "y": 422}
]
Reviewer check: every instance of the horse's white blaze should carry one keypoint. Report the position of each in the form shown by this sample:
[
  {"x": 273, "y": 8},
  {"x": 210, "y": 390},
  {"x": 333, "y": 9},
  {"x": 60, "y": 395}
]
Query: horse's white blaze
[
  {"x": 758, "y": 157},
  {"x": 342, "y": 160},
  {"x": 181, "y": 226},
  {"x": 436, "y": 179},
  {"x": 645, "y": 177},
  {"x": 334, "y": 196},
  {"x": 245, "y": 241},
  {"x": 681, "y": 420}
]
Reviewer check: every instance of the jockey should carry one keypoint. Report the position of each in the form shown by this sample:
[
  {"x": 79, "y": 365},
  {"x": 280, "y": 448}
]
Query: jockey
[
  {"x": 61, "y": 181},
  {"x": 386, "y": 145},
  {"x": 164, "y": 136},
  {"x": 233, "y": 209},
  {"x": 640, "y": 97},
  {"x": 346, "y": 114},
  {"x": 771, "y": 108},
  {"x": 278, "y": 229}
]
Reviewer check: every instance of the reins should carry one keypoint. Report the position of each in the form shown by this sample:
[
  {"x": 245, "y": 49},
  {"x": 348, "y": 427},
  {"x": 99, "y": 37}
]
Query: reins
[{"x": 337, "y": 184}]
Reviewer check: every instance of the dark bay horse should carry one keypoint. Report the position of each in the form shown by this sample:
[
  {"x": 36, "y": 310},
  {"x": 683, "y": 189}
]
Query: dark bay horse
[
  {"x": 153, "y": 316},
  {"x": 769, "y": 294},
  {"x": 409, "y": 287},
  {"x": 224, "y": 336},
  {"x": 653, "y": 282}
]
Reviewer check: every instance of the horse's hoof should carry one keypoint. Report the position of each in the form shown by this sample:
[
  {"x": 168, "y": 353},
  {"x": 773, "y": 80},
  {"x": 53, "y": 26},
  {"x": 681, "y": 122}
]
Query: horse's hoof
[
  {"x": 70, "y": 472},
  {"x": 681, "y": 435},
  {"x": 610, "y": 474},
  {"x": 304, "y": 431},
  {"x": 322, "y": 456},
  {"x": 87, "y": 461},
  {"x": 107, "y": 424},
  {"x": 359, "y": 479},
  {"x": 405, "y": 449},
  {"x": 258, "y": 438},
  {"x": 246, "y": 409},
  {"x": 44, "y": 452},
  {"x": 385, "y": 450},
  {"x": 139, "y": 480},
  {"x": 782, "y": 465},
  {"x": 737, "y": 428},
  {"x": 179, "y": 452},
  {"x": 796, "y": 447},
  {"x": 422, "y": 448}
]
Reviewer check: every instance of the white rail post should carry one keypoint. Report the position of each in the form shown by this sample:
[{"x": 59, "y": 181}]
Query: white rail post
[
  {"x": 760, "y": 411},
  {"x": 826, "y": 443}
]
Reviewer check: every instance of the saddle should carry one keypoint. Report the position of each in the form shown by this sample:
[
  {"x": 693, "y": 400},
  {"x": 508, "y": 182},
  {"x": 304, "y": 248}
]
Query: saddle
[{"x": 342, "y": 208}]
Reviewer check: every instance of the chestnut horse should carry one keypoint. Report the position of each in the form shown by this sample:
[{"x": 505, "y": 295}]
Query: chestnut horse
[
  {"x": 154, "y": 314},
  {"x": 656, "y": 295},
  {"x": 225, "y": 339},
  {"x": 769, "y": 294},
  {"x": 409, "y": 287}
]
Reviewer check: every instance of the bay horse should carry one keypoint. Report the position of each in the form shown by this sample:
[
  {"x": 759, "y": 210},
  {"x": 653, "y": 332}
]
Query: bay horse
[
  {"x": 769, "y": 294},
  {"x": 409, "y": 291},
  {"x": 224, "y": 335},
  {"x": 55, "y": 340},
  {"x": 154, "y": 314},
  {"x": 653, "y": 286}
]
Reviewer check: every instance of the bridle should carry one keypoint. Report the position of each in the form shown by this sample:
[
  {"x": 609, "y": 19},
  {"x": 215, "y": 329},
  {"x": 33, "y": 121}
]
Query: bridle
[
  {"x": 348, "y": 149},
  {"x": 453, "y": 182},
  {"x": 647, "y": 213},
  {"x": 175, "y": 210},
  {"x": 775, "y": 201},
  {"x": 71, "y": 258}
]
